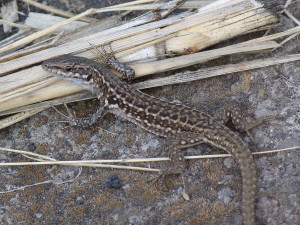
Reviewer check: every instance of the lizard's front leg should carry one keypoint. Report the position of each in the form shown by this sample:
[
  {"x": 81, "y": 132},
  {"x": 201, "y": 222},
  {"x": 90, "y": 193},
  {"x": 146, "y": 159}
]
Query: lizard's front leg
[{"x": 92, "y": 118}]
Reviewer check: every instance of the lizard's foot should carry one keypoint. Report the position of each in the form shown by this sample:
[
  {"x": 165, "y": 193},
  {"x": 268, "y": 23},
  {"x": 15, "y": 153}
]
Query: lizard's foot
[
  {"x": 72, "y": 119},
  {"x": 233, "y": 112},
  {"x": 166, "y": 172},
  {"x": 174, "y": 147},
  {"x": 82, "y": 122},
  {"x": 258, "y": 122}
]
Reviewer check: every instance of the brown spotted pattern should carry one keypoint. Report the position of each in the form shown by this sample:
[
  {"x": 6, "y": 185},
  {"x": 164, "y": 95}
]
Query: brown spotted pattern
[{"x": 183, "y": 126}]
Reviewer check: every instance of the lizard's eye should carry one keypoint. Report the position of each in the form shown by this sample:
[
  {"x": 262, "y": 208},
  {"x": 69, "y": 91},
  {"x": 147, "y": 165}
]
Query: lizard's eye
[
  {"x": 89, "y": 77},
  {"x": 68, "y": 69}
]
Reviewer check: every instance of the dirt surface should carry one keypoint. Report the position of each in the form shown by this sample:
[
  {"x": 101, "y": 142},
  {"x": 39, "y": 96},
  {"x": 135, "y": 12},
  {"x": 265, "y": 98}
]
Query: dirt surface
[{"x": 73, "y": 195}]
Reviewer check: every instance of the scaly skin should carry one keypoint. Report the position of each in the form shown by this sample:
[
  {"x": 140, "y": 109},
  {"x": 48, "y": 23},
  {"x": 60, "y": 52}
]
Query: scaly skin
[{"x": 181, "y": 125}]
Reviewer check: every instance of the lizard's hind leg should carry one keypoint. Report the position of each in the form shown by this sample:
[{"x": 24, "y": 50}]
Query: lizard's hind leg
[
  {"x": 233, "y": 112},
  {"x": 175, "y": 148}
]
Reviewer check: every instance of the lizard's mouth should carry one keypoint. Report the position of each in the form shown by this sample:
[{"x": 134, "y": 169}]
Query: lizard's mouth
[{"x": 54, "y": 71}]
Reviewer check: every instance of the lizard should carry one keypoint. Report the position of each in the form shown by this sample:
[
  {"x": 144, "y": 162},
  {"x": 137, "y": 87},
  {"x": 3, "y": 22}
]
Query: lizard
[{"x": 183, "y": 126}]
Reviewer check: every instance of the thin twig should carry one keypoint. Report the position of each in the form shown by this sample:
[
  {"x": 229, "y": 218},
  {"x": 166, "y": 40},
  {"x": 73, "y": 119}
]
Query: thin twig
[
  {"x": 57, "y": 11},
  {"x": 291, "y": 17},
  {"x": 288, "y": 2},
  {"x": 24, "y": 27},
  {"x": 99, "y": 163}
]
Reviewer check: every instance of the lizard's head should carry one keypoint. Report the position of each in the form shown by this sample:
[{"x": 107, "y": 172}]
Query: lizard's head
[{"x": 76, "y": 69}]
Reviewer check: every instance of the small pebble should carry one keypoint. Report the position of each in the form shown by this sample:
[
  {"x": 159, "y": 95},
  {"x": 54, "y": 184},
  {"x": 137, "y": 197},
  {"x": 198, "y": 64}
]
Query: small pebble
[
  {"x": 113, "y": 182},
  {"x": 185, "y": 196}
]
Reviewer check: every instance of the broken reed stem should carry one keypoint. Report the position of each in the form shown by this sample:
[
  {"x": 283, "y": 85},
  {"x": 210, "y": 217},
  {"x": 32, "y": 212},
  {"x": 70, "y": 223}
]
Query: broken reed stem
[{"x": 53, "y": 28}]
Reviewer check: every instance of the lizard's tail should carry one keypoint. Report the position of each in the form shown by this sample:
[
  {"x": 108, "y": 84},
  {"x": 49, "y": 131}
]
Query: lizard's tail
[
  {"x": 232, "y": 143},
  {"x": 248, "y": 170}
]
